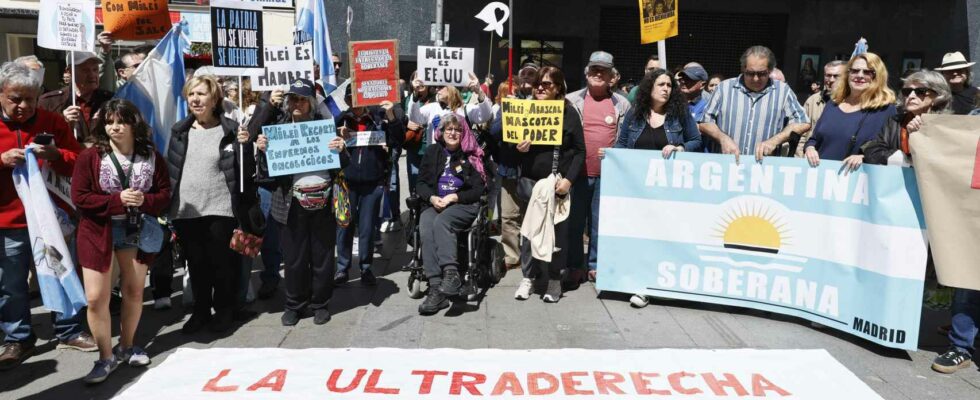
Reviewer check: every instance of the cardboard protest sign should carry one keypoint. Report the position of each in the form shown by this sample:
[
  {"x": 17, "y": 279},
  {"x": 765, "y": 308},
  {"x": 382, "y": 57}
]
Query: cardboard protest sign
[
  {"x": 301, "y": 147},
  {"x": 946, "y": 158},
  {"x": 66, "y": 25},
  {"x": 658, "y": 20},
  {"x": 445, "y": 66},
  {"x": 374, "y": 72},
  {"x": 283, "y": 65},
  {"x": 236, "y": 38},
  {"x": 367, "y": 138},
  {"x": 538, "y": 121},
  {"x": 136, "y": 19}
]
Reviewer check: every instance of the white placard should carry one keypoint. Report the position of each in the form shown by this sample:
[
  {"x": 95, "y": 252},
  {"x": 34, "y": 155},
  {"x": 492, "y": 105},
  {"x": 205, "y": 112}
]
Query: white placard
[
  {"x": 66, "y": 25},
  {"x": 283, "y": 65},
  {"x": 217, "y": 374},
  {"x": 445, "y": 66},
  {"x": 367, "y": 138}
]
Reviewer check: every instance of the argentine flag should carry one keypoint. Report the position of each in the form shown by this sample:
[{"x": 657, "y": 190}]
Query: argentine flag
[
  {"x": 157, "y": 86},
  {"x": 311, "y": 25}
]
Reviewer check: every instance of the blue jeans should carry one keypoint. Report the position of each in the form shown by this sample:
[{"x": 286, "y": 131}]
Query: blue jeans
[
  {"x": 271, "y": 252},
  {"x": 394, "y": 187},
  {"x": 584, "y": 217},
  {"x": 15, "y": 309},
  {"x": 365, "y": 200},
  {"x": 966, "y": 313}
]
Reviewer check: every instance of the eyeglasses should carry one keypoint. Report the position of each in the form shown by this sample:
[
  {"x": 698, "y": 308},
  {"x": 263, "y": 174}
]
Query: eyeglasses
[
  {"x": 919, "y": 92},
  {"x": 455, "y": 130},
  {"x": 546, "y": 85},
  {"x": 756, "y": 74},
  {"x": 831, "y": 76},
  {"x": 866, "y": 72},
  {"x": 134, "y": 66},
  {"x": 338, "y": 64},
  {"x": 962, "y": 71},
  {"x": 597, "y": 70}
]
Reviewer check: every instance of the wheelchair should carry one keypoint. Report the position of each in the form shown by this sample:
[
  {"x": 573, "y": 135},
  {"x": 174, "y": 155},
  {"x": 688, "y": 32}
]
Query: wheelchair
[{"x": 479, "y": 252}]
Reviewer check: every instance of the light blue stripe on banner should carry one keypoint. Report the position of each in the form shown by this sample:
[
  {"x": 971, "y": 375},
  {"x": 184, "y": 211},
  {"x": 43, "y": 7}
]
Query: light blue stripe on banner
[
  {"x": 876, "y": 307},
  {"x": 874, "y": 194}
]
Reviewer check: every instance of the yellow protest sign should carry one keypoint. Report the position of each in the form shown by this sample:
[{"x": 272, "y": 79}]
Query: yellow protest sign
[
  {"x": 538, "y": 121},
  {"x": 658, "y": 20}
]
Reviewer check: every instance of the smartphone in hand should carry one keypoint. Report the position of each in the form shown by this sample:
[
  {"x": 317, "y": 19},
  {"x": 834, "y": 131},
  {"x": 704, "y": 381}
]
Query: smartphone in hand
[{"x": 44, "y": 139}]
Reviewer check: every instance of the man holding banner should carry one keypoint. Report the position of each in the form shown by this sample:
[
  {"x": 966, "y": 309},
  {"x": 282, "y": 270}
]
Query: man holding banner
[{"x": 22, "y": 125}]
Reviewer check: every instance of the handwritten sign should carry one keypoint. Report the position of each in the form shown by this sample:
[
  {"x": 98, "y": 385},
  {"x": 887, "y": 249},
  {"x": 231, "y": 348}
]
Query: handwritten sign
[
  {"x": 236, "y": 38},
  {"x": 301, "y": 147},
  {"x": 66, "y": 25},
  {"x": 136, "y": 19},
  {"x": 367, "y": 138},
  {"x": 374, "y": 72},
  {"x": 538, "y": 121},
  {"x": 283, "y": 65},
  {"x": 445, "y": 66}
]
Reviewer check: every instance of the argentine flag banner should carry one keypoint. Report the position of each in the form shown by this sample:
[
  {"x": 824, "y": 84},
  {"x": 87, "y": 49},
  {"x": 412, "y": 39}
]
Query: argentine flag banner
[{"x": 846, "y": 250}]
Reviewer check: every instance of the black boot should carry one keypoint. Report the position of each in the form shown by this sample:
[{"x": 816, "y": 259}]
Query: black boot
[
  {"x": 433, "y": 302},
  {"x": 451, "y": 282}
]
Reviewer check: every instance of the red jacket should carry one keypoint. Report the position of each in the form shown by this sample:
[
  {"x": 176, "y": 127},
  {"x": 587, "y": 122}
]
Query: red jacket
[
  {"x": 97, "y": 208},
  {"x": 11, "y": 210}
]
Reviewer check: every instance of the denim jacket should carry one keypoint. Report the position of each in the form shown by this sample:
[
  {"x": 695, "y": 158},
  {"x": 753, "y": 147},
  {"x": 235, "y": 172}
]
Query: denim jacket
[{"x": 681, "y": 130}]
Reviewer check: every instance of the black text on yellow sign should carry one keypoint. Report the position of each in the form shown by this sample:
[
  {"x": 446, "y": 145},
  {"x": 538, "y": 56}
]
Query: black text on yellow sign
[{"x": 537, "y": 121}]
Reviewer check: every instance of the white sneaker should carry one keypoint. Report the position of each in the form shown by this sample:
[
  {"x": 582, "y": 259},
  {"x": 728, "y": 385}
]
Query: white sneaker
[
  {"x": 384, "y": 226},
  {"x": 524, "y": 289},
  {"x": 639, "y": 301},
  {"x": 394, "y": 226},
  {"x": 162, "y": 303}
]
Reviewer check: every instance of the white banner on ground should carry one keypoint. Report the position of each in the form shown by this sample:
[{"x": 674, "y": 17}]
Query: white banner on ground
[
  {"x": 283, "y": 65},
  {"x": 445, "y": 66},
  {"x": 448, "y": 373}
]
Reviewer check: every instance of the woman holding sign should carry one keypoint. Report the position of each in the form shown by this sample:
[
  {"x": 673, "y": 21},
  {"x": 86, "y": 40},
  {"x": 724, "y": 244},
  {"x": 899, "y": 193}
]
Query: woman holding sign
[
  {"x": 448, "y": 100},
  {"x": 116, "y": 182},
  {"x": 659, "y": 121},
  {"x": 301, "y": 206},
  {"x": 451, "y": 181},
  {"x": 213, "y": 199},
  {"x": 538, "y": 162}
]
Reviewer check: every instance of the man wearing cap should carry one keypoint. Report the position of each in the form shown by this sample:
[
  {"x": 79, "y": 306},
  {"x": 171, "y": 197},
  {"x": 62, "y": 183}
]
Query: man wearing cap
[
  {"x": 601, "y": 111},
  {"x": 691, "y": 80},
  {"x": 83, "y": 114},
  {"x": 956, "y": 70}
]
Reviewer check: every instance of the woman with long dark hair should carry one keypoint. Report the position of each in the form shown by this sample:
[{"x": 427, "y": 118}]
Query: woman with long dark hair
[
  {"x": 451, "y": 181},
  {"x": 116, "y": 181}
]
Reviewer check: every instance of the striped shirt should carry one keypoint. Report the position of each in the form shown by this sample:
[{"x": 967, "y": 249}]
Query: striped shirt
[{"x": 752, "y": 117}]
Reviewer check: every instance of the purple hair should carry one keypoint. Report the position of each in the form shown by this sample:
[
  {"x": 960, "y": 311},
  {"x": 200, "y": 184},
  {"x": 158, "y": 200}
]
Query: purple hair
[{"x": 467, "y": 141}]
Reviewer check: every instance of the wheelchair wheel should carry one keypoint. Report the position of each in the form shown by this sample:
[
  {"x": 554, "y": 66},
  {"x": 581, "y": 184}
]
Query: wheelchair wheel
[
  {"x": 415, "y": 287},
  {"x": 497, "y": 267}
]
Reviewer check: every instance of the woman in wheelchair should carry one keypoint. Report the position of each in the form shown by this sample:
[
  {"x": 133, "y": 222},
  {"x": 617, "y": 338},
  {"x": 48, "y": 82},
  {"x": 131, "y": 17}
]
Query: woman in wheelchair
[{"x": 451, "y": 181}]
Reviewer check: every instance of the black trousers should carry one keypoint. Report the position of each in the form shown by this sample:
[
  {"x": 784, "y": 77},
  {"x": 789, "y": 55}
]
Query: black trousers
[
  {"x": 214, "y": 267},
  {"x": 308, "y": 240},
  {"x": 162, "y": 271}
]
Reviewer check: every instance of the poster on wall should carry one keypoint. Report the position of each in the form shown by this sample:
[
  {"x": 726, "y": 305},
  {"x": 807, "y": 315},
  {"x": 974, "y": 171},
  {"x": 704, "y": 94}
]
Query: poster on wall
[{"x": 374, "y": 72}]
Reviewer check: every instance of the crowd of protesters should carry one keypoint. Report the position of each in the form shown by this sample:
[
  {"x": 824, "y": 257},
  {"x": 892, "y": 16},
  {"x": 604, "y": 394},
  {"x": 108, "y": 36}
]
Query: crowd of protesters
[{"x": 213, "y": 189}]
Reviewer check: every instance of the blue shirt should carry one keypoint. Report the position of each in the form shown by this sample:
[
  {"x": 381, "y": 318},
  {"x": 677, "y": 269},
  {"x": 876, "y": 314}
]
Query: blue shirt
[
  {"x": 751, "y": 117},
  {"x": 835, "y": 128}
]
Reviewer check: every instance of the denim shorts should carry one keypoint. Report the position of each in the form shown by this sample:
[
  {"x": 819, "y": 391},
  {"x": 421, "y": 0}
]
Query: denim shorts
[{"x": 120, "y": 240}]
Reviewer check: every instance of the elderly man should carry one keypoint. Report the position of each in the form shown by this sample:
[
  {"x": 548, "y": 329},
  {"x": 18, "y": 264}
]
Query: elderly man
[
  {"x": 813, "y": 106},
  {"x": 752, "y": 113},
  {"x": 20, "y": 125},
  {"x": 82, "y": 114},
  {"x": 956, "y": 70},
  {"x": 601, "y": 110}
]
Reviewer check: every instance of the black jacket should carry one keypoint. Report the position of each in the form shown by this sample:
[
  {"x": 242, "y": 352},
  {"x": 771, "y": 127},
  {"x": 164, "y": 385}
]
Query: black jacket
[
  {"x": 244, "y": 205},
  {"x": 536, "y": 163},
  {"x": 888, "y": 141},
  {"x": 433, "y": 165},
  {"x": 369, "y": 164}
]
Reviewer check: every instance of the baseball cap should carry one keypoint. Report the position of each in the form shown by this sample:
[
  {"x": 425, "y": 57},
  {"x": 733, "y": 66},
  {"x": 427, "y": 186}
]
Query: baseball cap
[
  {"x": 302, "y": 87},
  {"x": 601, "y": 59},
  {"x": 695, "y": 72},
  {"x": 81, "y": 57}
]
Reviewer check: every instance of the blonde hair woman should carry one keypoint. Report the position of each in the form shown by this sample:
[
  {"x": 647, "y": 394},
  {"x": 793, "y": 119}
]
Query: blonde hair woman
[
  {"x": 862, "y": 104},
  {"x": 449, "y": 100}
]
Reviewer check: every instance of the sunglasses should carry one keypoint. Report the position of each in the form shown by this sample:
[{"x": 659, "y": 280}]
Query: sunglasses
[
  {"x": 545, "y": 85},
  {"x": 338, "y": 64},
  {"x": 756, "y": 74},
  {"x": 919, "y": 92},
  {"x": 866, "y": 72}
]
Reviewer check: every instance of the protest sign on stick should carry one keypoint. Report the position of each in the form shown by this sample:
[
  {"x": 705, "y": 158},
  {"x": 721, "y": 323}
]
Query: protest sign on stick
[
  {"x": 537, "y": 121},
  {"x": 374, "y": 72},
  {"x": 136, "y": 19},
  {"x": 658, "y": 20},
  {"x": 301, "y": 147},
  {"x": 367, "y": 138},
  {"x": 283, "y": 65},
  {"x": 66, "y": 25},
  {"x": 236, "y": 38},
  {"x": 445, "y": 66}
]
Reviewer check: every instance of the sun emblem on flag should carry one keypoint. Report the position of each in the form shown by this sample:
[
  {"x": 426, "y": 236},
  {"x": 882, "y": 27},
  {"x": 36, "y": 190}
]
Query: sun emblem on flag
[{"x": 753, "y": 227}]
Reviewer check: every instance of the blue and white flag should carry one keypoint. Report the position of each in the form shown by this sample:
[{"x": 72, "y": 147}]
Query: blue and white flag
[
  {"x": 311, "y": 25},
  {"x": 847, "y": 250},
  {"x": 61, "y": 290},
  {"x": 157, "y": 86}
]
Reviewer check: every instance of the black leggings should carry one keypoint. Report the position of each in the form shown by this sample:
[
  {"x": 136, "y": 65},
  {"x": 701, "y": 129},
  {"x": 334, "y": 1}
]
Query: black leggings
[{"x": 214, "y": 267}]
